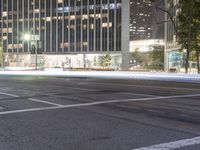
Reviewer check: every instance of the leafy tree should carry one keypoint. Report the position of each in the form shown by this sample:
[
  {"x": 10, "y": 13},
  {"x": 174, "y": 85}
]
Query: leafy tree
[
  {"x": 1, "y": 54},
  {"x": 136, "y": 56},
  {"x": 188, "y": 28},
  {"x": 196, "y": 22},
  {"x": 198, "y": 51},
  {"x": 186, "y": 24},
  {"x": 105, "y": 60},
  {"x": 185, "y": 17},
  {"x": 157, "y": 57}
]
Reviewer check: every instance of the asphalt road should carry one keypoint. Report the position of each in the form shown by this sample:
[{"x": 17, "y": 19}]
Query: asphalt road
[{"x": 98, "y": 114}]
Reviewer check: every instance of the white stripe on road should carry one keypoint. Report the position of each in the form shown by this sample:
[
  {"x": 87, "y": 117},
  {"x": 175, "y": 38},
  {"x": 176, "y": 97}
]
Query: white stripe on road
[
  {"x": 96, "y": 103},
  {"x": 42, "y": 101},
  {"x": 127, "y": 93},
  {"x": 7, "y": 94},
  {"x": 32, "y": 99},
  {"x": 173, "y": 145}
]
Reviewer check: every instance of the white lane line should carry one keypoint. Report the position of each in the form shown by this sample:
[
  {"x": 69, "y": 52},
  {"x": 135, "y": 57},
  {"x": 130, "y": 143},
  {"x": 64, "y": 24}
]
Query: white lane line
[
  {"x": 173, "y": 145},
  {"x": 32, "y": 99},
  {"x": 7, "y": 94},
  {"x": 127, "y": 93},
  {"x": 46, "y": 102},
  {"x": 96, "y": 103}
]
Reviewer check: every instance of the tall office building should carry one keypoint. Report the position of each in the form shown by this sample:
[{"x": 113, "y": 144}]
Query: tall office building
[
  {"x": 68, "y": 33},
  {"x": 141, "y": 19}
]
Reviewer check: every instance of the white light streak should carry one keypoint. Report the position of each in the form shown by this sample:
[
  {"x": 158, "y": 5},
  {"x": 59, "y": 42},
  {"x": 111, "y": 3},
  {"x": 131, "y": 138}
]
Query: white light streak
[{"x": 109, "y": 75}]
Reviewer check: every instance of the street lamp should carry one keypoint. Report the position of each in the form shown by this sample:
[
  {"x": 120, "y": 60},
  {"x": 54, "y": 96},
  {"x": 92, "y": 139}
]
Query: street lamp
[{"x": 34, "y": 38}]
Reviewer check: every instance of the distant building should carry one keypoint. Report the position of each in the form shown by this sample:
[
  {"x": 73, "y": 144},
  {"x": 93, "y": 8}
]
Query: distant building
[
  {"x": 141, "y": 20},
  {"x": 70, "y": 33},
  {"x": 158, "y": 21}
]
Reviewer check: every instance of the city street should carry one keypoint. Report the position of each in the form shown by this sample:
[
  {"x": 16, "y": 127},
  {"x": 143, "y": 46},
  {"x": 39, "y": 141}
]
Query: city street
[{"x": 98, "y": 114}]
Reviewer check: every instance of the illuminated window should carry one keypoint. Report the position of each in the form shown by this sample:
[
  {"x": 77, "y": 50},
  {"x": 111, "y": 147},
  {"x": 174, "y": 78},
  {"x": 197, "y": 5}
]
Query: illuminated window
[
  {"x": 92, "y": 26},
  {"x": 107, "y": 25},
  {"x": 5, "y": 14},
  {"x": 10, "y": 46},
  {"x": 60, "y": 1},
  {"x": 84, "y": 16},
  {"x": 5, "y": 37},
  {"x": 10, "y": 30},
  {"x": 48, "y": 19},
  {"x": 72, "y": 17},
  {"x": 85, "y": 43},
  {"x": 37, "y": 11}
]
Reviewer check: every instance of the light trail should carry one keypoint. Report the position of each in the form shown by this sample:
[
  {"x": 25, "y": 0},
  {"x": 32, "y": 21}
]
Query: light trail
[{"x": 193, "y": 78}]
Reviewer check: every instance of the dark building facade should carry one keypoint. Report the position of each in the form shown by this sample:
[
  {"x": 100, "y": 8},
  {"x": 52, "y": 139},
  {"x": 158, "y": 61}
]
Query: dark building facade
[
  {"x": 141, "y": 19},
  {"x": 65, "y": 27}
]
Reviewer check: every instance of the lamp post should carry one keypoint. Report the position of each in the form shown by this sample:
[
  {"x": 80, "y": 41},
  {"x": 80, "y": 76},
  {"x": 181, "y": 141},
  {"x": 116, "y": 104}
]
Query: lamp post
[{"x": 35, "y": 39}]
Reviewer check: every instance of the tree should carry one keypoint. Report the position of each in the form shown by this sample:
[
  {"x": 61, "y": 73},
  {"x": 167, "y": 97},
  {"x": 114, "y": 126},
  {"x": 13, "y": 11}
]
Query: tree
[
  {"x": 157, "y": 57},
  {"x": 186, "y": 24},
  {"x": 186, "y": 27},
  {"x": 198, "y": 51},
  {"x": 196, "y": 42},
  {"x": 1, "y": 54},
  {"x": 105, "y": 60},
  {"x": 136, "y": 56}
]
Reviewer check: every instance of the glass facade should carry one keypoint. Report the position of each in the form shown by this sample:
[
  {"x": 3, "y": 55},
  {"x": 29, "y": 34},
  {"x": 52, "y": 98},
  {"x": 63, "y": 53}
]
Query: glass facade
[{"x": 63, "y": 26}]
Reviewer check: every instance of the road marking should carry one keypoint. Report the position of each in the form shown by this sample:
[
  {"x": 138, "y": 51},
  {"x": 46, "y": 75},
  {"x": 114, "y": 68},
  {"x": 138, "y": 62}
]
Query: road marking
[
  {"x": 46, "y": 102},
  {"x": 138, "y": 94},
  {"x": 173, "y": 145},
  {"x": 32, "y": 99},
  {"x": 96, "y": 103},
  {"x": 12, "y": 95}
]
